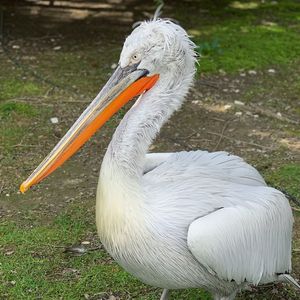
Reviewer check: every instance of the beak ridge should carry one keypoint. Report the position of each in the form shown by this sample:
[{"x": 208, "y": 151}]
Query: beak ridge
[{"x": 124, "y": 84}]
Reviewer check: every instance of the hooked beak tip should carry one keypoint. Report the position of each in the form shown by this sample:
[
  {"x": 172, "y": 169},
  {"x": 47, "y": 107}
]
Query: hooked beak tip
[{"x": 24, "y": 187}]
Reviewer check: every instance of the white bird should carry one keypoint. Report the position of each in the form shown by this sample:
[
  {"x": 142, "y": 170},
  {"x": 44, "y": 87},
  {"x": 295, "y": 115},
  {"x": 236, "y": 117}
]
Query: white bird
[{"x": 176, "y": 220}]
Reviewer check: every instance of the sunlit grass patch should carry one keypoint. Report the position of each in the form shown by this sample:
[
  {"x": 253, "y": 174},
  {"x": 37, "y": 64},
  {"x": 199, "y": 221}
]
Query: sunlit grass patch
[
  {"x": 286, "y": 177},
  {"x": 244, "y": 5},
  {"x": 242, "y": 46},
  {"x": 9, "y": 108},
  {"x": 12, "y": 88},
  {"x": 249, "y": 34}
]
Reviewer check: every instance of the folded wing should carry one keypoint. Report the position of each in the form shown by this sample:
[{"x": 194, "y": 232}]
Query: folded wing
[{"x": 248, "y": 242}]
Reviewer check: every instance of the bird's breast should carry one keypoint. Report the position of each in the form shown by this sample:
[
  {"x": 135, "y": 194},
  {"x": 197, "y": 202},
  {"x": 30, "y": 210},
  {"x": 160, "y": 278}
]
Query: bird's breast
[
  {"x": 138, "y": 240},
  {"x": 147, "y": 240},
  {"x": 118, "y": 210}
]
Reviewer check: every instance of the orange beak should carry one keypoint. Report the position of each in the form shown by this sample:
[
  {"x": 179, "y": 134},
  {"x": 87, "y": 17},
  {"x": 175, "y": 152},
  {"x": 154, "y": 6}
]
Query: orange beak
[{"x": 123, "y": 86}]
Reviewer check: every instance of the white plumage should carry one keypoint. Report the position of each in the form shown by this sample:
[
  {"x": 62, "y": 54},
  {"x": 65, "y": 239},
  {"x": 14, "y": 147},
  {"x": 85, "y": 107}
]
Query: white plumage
[{"x": 188, "y": 219}]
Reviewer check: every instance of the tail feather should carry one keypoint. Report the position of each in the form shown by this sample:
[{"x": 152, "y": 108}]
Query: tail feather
[{"x": 288, "y": 278}]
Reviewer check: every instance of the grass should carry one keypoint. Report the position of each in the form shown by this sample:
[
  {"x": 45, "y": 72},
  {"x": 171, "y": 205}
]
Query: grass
[
  {"x": 16, "y": 120},
  {"x": 287, "y": 177},
  {"x": 243, "y": 38},
  {"x": 12, "y": 88},
  {"x": 245, "y": 47},
  {"x": 9, "y": 108}
]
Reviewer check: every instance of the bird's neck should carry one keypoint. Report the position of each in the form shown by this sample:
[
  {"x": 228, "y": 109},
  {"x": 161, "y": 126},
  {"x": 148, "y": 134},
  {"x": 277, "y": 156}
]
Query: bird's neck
[
  {"x": 127, "y": 150},
  {"x": 120, "y": 189}
]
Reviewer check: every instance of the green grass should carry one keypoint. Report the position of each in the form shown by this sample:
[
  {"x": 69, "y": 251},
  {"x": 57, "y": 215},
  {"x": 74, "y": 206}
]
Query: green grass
[
  {"x": 15, "y": 120},
  {"x": 286, "y": 177},
  {"x": 18, "y": 126},
  {"x": 249, "y": 47},
  {"x": 12, "y": 88},
  {"x": 11, "y": 135},
  {"x": 9, "y": 108},
  {"x": 243, "y": 38}
]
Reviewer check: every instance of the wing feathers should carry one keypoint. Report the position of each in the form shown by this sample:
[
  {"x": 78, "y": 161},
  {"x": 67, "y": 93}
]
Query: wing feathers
[
  {"x": 217, "y": 165},
  {"x": 249, "y": 242}
]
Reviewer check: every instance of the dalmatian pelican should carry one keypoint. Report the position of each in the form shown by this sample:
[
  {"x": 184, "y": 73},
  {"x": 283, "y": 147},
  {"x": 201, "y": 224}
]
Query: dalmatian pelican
[{"x": 175, "y": 220}]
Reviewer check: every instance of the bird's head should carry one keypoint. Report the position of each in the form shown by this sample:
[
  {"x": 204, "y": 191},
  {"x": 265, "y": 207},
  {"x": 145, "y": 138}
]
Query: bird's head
[
  {"x": 157, "y": 52},
  {"x": 160, "y": 47}
]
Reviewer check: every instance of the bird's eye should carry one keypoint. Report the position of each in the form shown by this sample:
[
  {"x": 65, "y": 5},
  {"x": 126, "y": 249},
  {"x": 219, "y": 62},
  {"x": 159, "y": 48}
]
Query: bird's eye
[{"x": 135, "y": 57}]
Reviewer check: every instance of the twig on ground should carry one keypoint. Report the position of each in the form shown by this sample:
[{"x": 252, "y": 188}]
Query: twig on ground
[
  {"x": 288, "y": 195},
  {"x": 44, "y": 37},
  {"x": 75, "y": 101},
  {"x": 32, "y": 100},
  {"x": 222, "y": 132},
  {"x": 1, "y": 188},
  {"x": 218, "y": 119},
  {"x": 208, "y": 83},
  {"x": 24, "y": 145},
  {"x": 180, "y": 142},
  {"x": 21, "y": 145},
  {"x": 186, "y": 137},
  {"x": 49, "y": 91},
  {"x": 268, "y": 113},
  {"x": 238, "y": 141}
]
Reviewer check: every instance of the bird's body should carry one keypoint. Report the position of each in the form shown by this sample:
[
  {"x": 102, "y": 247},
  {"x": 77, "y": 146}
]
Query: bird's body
[
  {"x": 148, "y": 203},
  {"x": 175, "y": 220},
  {"x": 149, "y": 236},
  {"x": 187, "y": 219}
]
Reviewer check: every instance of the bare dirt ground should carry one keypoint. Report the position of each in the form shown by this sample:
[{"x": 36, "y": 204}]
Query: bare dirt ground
[{"x": 68, "y": 52}]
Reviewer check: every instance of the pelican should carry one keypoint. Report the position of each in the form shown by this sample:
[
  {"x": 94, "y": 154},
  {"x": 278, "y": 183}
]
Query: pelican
[{"x": 175, "y": 220}]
